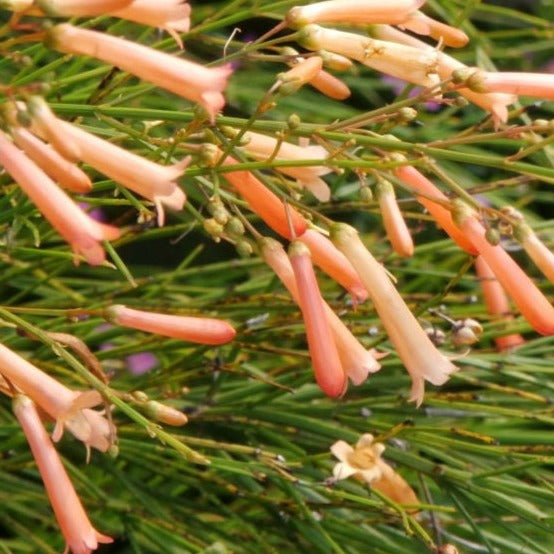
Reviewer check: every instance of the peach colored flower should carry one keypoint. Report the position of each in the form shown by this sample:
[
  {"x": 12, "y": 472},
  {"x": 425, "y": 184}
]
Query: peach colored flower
[
  {"x": 422, "y": 24},
  {"x": 331, "y": 260},
  {"x": 419, "y": 355},
  {"x": 202, "y": 330},
  {"x": 330, "y": 86},
  {"x": 328, "y": 370},
  {"x": 69, "y": 408},
  {"x": 304, "y": 70},
  {"x": 415, "y": 65},
  {"x": 540, "y": 85},
  {"x": 65, "y": 173},
  {"x": 261, "y": 200},
  {"x": 79, "y": 8},
  {"x": 356, "y": 361},
  {"x": 151, "y": 180},
  {"x": 190, "y": 80},
  {"x": 81, "y": 537},
  {"x": 353, "y": 11},
  {"x": 171, "y": 15},
  {"x": 417, "y": 181},
  {"x": 495, "y": 103},
  {"x": 541, "y": 255},
  {"x": 397, "y": 231},
  {"x": 364, "y": 462},
  {"x": 83, "y": 233},
  {"x": 262, "y": 147},
  {"x": 497, "y": 303},
  {"x": 530, "y": 301}
]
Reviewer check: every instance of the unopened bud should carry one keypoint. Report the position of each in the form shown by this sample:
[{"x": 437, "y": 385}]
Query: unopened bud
[
  {"x": 466, "y": 332},
  {"x": 366, "y": 195},
  {"x": 165, "y": 414},
  {"x": 492, "y": 236},
  {"x": 437, "y": 336},
  {"x": 293, "y": 121},
  {"x": 213, "y": 228},
  {"x": 407, "y": 114},
  {"x": 234, "y": 227},
  {"x": 244, "y": 248}
]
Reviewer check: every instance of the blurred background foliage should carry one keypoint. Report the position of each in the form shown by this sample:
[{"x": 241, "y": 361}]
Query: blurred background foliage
[{"x": 479, "y": 450}]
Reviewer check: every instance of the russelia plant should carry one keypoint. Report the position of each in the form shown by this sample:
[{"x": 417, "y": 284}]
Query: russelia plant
[{"x": 301, "y": 257}]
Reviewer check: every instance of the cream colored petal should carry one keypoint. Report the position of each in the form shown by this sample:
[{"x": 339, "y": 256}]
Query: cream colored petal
[{"x": 341, "y": 450}]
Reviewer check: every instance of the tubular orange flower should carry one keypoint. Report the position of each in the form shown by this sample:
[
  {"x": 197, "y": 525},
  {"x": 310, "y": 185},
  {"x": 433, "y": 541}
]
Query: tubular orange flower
[
  {"x": 356, "y": 361},
  {"x": 541, "y": 255},
  {"x": 79, "y": 8},
  {"x": 328, "y": 370},
  {"x": 397, "y": 231},
  {"x": 83, "y": 233},
  {"x": 187, "y": 79},
  {"x": 330, "y": 86},
  {"x": 540, "y": 85},
  {"x": 334, "y": 263},
  {"x": 149, "y": 179},
  {"x": 414, "y": 65},
  {"x": 422, "y": 24},
  {"x": 353, "y": 11},
  {"x": 261, "y": 147},
  {"x": 416, "y": 180},
  {"x": 302, "y": 72},
  {"x": 65, "y": 173},
  {"x": 497, "y": 303},
  {"x": 419, "y": 355},
  {"x": 67, "y": 407},
  {"x": 495, "y": 103},
  {"x": 530, "y": 301},
  {"x": 80, "y": 535},
  {"x": 260, "y": 199},
  {"x": 202, "y": 330}
]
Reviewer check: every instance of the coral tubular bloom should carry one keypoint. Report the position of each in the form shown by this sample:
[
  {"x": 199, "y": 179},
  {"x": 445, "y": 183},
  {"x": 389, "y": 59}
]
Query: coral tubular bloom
[
  {"x": 419, "y": 355},
  {"x": 541, "y": 255},
  {"x": 328, "y": 370},
  {"x": 364, "y": 461},
  {"x": 540, "y": 85},
  {"x": 80, "y": 8},
  {"x": 81, "y": 537},
  {"x": 83, "y": 233},
  {"x": 331, "y": 260},
  {"x": 262, "y": 147},
  {"x": 67, "y": 407},
  {"x": 302, "y": 72},
  {"x": 530, "y": 301},
  {"x": 201, "y": 330},
  {"x": 187, "y": 79},
  {"x": 171, "y": 15},
  {"x": 65, "y": 173},
  {"x": 353, "y": 11},
  {"x": 419, "y": 183},
  {"x": 330, "y": 86},
  {"x": 356, "y": 361},
  {"x": 497, "y": 303},
  {"x": 422, "y": 24},
  {"x": 397, "y": 231},
  {"x": 411, "y": 64},
  {"x": 263, "y": 202},
  {"x": 149, "y": 179},
  {"x": 495, "y": 103}
]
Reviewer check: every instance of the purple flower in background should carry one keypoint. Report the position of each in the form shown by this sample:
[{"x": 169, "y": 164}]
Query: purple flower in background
[
  {"x": 398, "y": 86},
  {"x": 141, "y": 362}
]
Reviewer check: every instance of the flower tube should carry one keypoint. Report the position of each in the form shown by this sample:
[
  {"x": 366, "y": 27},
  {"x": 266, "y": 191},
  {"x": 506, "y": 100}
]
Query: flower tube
[
  {"x": 261, "y": 147},
  {"x": 419, "y": 355},
  {"x": 415, "y": 65},
  {"x": 422, "y": 24},
  {"x": 356, "y": 361},
  {"x": 67, "y": 407},
  {"x": 202, "y": 330},
  {"x": 541, "y": 255},
  {"x": 190, "y": 80},
  {"x": 530, "y": 301},
  {"x": 540, "y": 85},
  {"x": 79, "y": 8},
  {"x": 353, "y": 11},
  {"x": 65, "y": 173},
  {"x": 497, "y": 303},
  {"x": 328, "y": 370},
  {"x": 81, "y": 537},
  {"x": 83, "y": 233},
  {"x": 330, "y": 86}
]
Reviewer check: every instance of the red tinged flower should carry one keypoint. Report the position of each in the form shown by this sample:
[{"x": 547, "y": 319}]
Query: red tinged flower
[
  {"x": 84, "y": 234},
  {"x": 81, "y": 537},
  {"x": 419, "y": 355},
  {"x": 497, "y": 303},
  {"x": 328, "y": 370},
  {"x": 530, "y": 301},
  {"x": 540, "y": 85},
  {"x": 356, "y": 361},
  {"x": 419, "y": 183},
  {"x": 202, "y": 330},
  {"x": 397, "y": 231},
  {"x": 333, "y": 262}
]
